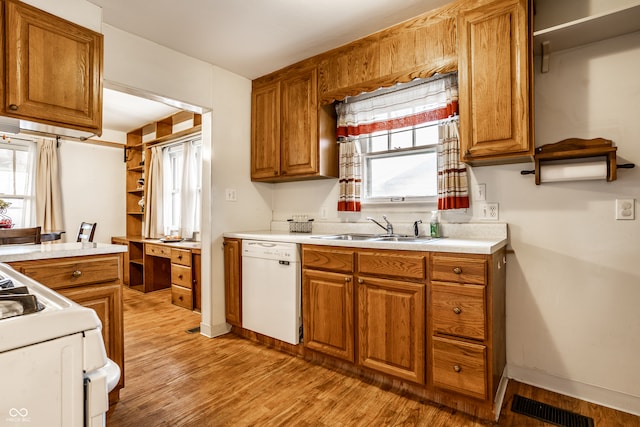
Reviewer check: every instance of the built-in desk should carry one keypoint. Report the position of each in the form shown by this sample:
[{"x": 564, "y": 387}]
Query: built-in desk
[{"x": 151, "y": 265}]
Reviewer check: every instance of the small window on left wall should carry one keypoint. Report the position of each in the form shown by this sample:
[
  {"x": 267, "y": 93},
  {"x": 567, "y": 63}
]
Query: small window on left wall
[{"x": 17, "y": 173}]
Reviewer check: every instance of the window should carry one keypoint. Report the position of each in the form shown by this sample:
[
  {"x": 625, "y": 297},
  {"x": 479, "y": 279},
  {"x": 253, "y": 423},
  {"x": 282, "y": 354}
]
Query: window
[
  {"x": 401, "y": 165},
  {"x": 16, "y": 172},
  {"x": 182, "y": 186}
]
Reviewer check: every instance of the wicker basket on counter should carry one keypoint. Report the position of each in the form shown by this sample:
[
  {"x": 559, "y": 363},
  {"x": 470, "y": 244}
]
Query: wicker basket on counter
[{"x": 300, "y": 226}]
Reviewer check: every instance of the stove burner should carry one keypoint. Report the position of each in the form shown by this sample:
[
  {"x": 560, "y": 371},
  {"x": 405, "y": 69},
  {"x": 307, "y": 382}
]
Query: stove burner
[{"x": 16, "y": 300}]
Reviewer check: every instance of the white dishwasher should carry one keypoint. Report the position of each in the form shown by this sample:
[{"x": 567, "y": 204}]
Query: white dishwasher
[{"x": 271, "y": 289}]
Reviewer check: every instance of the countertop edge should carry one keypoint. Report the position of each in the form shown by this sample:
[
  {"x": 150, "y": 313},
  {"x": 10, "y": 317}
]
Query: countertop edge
[
  {"x": 15, "y": 253},
  {"x": 486, "y": 246}
]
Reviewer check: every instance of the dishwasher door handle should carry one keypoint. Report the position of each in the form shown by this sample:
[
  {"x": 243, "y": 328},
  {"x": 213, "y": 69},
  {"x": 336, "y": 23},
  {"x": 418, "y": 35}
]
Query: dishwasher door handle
[{"x": 284, "y": 262}]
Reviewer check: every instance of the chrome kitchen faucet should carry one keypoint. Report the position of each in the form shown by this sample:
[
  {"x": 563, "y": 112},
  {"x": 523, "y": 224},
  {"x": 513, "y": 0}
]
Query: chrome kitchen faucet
[{"x": 388, "y": 228}]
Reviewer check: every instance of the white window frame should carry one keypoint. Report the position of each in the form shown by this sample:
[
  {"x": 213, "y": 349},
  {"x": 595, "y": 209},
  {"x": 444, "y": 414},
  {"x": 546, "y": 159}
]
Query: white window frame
[{"x": 24, "y": 217}]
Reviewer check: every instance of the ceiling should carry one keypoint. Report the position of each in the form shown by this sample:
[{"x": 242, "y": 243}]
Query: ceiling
[{"x": 248, "y": 37}]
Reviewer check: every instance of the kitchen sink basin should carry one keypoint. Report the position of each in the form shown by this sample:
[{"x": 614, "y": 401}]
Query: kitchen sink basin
[{"x": 375, "y": 237}]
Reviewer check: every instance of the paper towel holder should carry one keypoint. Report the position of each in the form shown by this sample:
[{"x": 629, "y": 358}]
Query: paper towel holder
[{"x": 577, "y": 148}]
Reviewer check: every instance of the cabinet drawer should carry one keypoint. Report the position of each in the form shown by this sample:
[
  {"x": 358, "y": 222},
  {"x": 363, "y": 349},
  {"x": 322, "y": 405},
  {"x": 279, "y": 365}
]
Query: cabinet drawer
[
  {"x": 458, "y": 269},
  {"x": 182, "y": 297},
  {"x": 181, "y": 275},
  {"x": 460, "y": 366},
  {"x": 458, "y": 309},
  {"x": 393, "y": 264},
  {"x": 181, "y": 256},
  {"x": 61, "y": 274},
  {"x": 334, "y": 259},
  {"x": 157, "y": 250}
]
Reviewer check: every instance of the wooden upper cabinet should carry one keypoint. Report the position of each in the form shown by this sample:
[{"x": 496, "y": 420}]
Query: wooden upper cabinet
[
  {"x": 292, "y": 137},
  {"x": 299, "y": 125},
  {"x": 495, "y": 83},
  {"x": 53, "y": 69},
  {"x": 265, "y": 132}
]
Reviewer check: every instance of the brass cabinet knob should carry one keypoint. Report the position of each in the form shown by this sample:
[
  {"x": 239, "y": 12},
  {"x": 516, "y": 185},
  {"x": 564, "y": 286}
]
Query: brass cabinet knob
[
  {"x": 77, "y": 273},
  {"x": 275, "y": 172},
  {"x": 13, "y": 107},
  {"x": 457, "y": 270},
  {"x": 360, "y": 280},
  {"x": 179, "y": 256},
  {"x": 457, "y": 310},
  {"x": 179, "y": 276},
  {"x": 347, "y": 279},
  {"x": 457, "y": 368}
]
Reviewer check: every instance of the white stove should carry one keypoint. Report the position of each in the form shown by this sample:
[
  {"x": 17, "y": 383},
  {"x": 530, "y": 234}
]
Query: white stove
[{"x": 54, "y": 370}]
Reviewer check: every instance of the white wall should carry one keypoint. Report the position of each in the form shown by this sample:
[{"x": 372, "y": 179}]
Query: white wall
[
  {"x": 573, "y": 284},
  {"x": 93, "y": 189}
]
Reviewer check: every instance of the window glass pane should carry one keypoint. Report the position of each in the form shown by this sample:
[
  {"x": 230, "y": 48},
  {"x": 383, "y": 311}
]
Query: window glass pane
[
  {"x": 6, "y": 171},
  {"x": 427, "y": 135},
  {"x": 22, "y": 172},
  {"x": 411, "y": 174},
  {"x": 379, "y": 141},
  {"x": 402, "y": 138}
]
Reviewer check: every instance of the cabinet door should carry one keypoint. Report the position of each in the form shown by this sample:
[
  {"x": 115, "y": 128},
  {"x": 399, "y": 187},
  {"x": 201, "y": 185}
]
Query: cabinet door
[
  {"x": 53, "y": 69},
  {"x": 299, "y": 132},
  {"x": 328, "y": 313},
  {"x": 106, "y": 300},
  {"x": 391, "y": 327},
  {"x": 495, "y": 82},
  {"x": 233, "y": 281},
  {"x": 265, "y": 132}
]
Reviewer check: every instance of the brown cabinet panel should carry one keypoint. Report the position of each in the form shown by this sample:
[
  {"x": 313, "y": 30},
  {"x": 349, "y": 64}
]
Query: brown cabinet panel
[
  {"x": 460, "y": 366},
  {"x": 157, "y": 250},
  {"x": 495, "y": 81},
  {"x": 391, "y": 327},
  {"x": 182, "y": 297},
  {"x": 233, "y": 281},
  {"x": 67, "y": 272},
  {"x": 181, "y": 257},
  {"x": 459, "y": 269},
  {"x": 328, "y": 313},
  {"x": 328, "y": 258},
  {"x": 406, "y": 265},
  {"x": 53, "y": 69},
  {"x": 299, "y": 126},
  {"x": 459, "y": 310},
  {"x": 265, "y": 131},
  {"x": 181, "y": 276}
]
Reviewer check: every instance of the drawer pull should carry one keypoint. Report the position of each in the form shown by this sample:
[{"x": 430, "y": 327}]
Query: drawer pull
[
  {"x": 361, "y": 281},
  {"x": 13, "y": 107},
  {"x": 180, "y": 276},
  {"x": 77, "y": 273},
  {"x": 457, "y": 310},
  {"x": 347, "y": 279},
  {"x": 457, "y": 270},
  {"x": 457, "y": 368},
  {"x": 180, "y": 257}
]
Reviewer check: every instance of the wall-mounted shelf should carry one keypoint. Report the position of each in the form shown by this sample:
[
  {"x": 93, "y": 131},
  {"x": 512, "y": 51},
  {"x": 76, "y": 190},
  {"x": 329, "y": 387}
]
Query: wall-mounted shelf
[
  {"x": 576, "y": 149},
  {"x": 586, "y": 30}
]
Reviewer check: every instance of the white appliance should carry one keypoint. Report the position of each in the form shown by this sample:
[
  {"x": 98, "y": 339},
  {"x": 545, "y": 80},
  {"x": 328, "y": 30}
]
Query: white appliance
[
  {"x": 271, "y": 289},
  {"x": 54, "y": 370}
]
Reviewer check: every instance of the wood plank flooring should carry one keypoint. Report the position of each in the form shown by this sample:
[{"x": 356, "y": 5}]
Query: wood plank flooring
[{"x": 174, "y": 378}]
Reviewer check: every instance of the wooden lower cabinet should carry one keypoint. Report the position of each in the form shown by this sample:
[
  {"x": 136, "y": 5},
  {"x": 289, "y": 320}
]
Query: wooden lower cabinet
[
  {"x": 92, "y": 281},
  {"x": 391, "y": 327},
  {"x": 427, "y": 323},
  {"x": 233, "y": 281},
  {"x": 328, "y": 313}
]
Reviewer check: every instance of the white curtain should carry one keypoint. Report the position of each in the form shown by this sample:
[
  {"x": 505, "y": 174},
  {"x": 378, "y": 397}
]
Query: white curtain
[
  {"x": 453, "y": 187},
  {"x": 154, "y": 215},
  {"x": 350, "y": 176},
  {"x": 48, "y": 188},
  {"x": 188, "y": 191}
]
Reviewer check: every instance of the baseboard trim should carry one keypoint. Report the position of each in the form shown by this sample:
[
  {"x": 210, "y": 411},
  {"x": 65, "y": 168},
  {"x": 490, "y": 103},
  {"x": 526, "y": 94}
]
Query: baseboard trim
[
  {"x": 212, "y": 331},
  {"x": 587, "y": 392}
]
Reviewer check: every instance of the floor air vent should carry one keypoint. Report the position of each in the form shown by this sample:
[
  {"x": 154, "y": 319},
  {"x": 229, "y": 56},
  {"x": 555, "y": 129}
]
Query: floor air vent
[
  {"x": 548, "y": 413},
  {"x": 194, "y": 330}
]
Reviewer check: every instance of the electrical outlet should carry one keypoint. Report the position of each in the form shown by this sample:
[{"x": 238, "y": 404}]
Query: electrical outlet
[
  {"x": 230, "y": 195},
  {"x": 625, "y": 209},
  {"x": 489, "y": 211},
  {"x": 323, "y": 212},
  {"x": 481, "y": 192}
]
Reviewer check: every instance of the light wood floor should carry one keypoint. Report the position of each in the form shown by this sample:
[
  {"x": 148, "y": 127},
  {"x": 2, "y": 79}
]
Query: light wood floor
[{"x": 174, "y": 378}]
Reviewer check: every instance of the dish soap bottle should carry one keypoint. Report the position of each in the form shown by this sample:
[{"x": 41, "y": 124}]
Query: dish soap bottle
[{"x": 434, "y": 224}]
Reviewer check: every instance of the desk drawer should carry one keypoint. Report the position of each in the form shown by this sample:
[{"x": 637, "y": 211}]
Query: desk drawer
[
  {"x": 181, "y": 256},
  {"x": 157, "y": 250},
  {"x": 181, "y": 276},
  {"x": 460, "y": 366},
  {"x": 458, "y": 269},
  {"x": 458, "y": 309},
  {"x": 61, "y": 274},
  {"x": 182, "y": 297}
]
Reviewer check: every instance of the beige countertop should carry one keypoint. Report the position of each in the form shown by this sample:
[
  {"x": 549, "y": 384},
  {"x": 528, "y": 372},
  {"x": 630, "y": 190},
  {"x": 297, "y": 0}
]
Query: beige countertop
[
  {"x": 471, "y": 242},
  {"x": 13, "y": 253}
]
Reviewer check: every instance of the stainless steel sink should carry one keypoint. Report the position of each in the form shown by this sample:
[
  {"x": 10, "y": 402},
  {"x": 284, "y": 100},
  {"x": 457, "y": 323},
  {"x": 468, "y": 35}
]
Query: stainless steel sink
[
  {"x": 374, "y": 237},
  {"x": 349, "y": 236}
]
